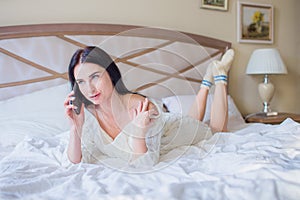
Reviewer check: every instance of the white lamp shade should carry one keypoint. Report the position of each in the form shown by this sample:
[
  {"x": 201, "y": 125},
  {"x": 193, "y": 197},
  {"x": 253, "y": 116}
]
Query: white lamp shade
[{"x": 266, "y": 61}]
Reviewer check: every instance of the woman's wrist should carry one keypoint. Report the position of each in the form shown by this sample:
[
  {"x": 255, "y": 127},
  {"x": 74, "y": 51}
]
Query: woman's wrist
[
  {"x": 76, "y": 131},
  {"x": 74, "y": 147},
  {"x": 137, "y": 144}
]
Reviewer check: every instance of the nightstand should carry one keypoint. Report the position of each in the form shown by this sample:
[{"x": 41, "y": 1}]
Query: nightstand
[{"x": 272, "y": 119}]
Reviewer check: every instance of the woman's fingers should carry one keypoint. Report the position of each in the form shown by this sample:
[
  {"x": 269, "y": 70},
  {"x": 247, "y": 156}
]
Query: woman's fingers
[
  {"x": 153, "y": 114},
  {"x": 138, "y": 108},
  {"x": 71, "y": 107},
  {"x": 69, "y": 97},
  {"x": 142, "y": 106},
  {"x": 142, "y": 114},
  {"x": 68, "y": 104},
  {"x": 145, "y": 104}
]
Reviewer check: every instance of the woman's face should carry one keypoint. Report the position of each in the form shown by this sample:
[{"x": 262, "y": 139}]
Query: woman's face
[{"x": 94, "y": 82}]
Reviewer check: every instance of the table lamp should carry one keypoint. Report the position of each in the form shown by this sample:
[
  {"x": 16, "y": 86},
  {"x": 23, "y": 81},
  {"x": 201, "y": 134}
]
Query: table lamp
[{"x": 267, "y": 62}]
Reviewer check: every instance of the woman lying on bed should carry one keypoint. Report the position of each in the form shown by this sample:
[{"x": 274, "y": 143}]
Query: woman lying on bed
[{"x": 116, "y": 123}]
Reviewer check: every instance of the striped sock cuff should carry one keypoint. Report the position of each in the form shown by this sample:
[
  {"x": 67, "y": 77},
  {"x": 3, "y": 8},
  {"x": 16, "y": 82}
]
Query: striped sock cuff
[
  {"x": 222, "y": 78},
  {"x": 206, "y": 83}
]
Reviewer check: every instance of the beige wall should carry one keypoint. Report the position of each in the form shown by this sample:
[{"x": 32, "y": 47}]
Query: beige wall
[
  {"x": 297, "y": 50},
  {"x": 184, "y": 16}
]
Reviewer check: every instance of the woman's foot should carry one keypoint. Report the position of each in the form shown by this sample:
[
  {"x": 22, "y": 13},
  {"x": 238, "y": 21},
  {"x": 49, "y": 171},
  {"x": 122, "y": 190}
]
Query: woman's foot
[
  {"x": 208, "y": 78},
  {"x": 217, "y": 70},
  {"x": 220, "y": 68},
  {"x": 227, "y": 59}
]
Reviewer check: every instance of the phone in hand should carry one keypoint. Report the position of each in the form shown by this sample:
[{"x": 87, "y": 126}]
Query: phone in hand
[{"x": 77, "y": 101}]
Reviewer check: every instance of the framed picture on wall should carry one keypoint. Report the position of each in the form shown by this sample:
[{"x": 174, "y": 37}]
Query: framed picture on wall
[
  {"x": 215, "y": 4},
  {"x": 255, "y": 23}
]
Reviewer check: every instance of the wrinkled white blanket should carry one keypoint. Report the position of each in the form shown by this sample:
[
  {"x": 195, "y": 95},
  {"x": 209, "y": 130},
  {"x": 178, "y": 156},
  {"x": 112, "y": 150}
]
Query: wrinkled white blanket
[{"x": 256, "y": 162}]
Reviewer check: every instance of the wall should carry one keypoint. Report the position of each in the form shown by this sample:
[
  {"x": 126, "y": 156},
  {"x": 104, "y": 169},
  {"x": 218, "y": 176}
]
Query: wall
[
  {"x": 297, "y": 25},
  {"x": 287, "y": 86},
  {"x": 184, "y": 16}
]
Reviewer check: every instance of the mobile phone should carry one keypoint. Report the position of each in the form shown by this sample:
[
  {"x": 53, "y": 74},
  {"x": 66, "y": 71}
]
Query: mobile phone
[{"x": 77, "y": 101}]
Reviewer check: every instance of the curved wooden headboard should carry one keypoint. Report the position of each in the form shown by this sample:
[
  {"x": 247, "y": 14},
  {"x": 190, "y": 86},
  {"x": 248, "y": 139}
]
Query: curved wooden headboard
[{"x": 153, "y": 61}]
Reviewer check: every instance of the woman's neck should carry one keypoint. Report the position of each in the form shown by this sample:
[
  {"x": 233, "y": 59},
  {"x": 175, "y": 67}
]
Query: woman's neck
[
  {"x": 113, "y": 107},
  {"x": 113, "y": 115}
]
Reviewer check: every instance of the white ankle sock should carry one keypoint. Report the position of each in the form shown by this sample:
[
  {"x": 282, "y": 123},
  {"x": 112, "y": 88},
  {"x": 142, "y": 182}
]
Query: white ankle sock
[
  {"x": 207, "y": 81},
  {"x": 219, "y": 73},
  {"x": 220, "y": 79},
  {"x": 227, "y": 59}
]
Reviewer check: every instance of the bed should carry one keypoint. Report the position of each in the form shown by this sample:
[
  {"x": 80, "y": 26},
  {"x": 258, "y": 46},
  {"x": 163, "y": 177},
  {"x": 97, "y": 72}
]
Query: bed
[{"x": 251, "y": 161}]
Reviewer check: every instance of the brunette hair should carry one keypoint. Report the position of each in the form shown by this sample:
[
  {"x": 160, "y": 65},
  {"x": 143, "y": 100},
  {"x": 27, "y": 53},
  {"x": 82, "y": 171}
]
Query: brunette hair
[{"x": 93, "y": 54}]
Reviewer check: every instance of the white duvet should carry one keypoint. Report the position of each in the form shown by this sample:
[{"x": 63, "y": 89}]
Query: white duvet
[{"x": 257, "y": 162}]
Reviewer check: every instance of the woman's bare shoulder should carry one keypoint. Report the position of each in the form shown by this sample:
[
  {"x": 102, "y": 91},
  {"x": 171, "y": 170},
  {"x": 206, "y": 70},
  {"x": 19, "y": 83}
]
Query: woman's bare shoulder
[{"x": 135, "y": 99}]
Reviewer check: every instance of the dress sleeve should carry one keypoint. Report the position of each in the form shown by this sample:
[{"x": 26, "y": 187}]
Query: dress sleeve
[
  {"x": 89, "y": 142},
  {"x": 153, "y": 138},
  {"x": 153, "y": 142},
  {"x": 65, "y": 162}
]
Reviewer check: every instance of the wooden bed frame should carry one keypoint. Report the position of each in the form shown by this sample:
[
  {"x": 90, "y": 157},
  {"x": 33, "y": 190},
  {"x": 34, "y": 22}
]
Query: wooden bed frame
[{"x": 16, "y": 41}]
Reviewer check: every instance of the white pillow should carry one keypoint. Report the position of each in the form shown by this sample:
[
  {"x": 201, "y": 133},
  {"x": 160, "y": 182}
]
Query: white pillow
[
  {"x": 182, "y": 103},
  {"x": 40, "y": 113}
]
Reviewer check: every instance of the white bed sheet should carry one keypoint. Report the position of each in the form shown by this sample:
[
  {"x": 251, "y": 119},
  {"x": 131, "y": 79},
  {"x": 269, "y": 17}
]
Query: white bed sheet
[{"x": 257, "y": 162}]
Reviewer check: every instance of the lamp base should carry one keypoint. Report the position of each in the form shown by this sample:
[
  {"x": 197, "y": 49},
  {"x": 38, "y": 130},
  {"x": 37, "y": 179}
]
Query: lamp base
[
  {"x": 273, "y": 113},
  {"x": 266, "y": 107},
  {"x": 262, "y": 114},
  {"x": 266, "y": 92}
]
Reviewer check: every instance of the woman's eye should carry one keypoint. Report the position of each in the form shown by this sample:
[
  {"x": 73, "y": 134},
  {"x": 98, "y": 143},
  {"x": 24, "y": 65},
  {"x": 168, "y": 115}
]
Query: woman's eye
[
  {"x": 80, "y": 82},
  {"x": 95, "y": 76}
]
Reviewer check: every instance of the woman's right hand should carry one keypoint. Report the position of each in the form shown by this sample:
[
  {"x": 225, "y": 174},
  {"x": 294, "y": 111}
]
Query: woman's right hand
[{"x": 76, "y": 120}]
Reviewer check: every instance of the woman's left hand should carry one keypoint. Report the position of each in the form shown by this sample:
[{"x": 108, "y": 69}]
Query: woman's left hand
[
  {"x": 142, "y": 121},
  {"x": 142, "y": 114}
]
